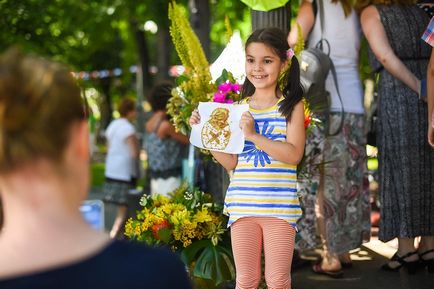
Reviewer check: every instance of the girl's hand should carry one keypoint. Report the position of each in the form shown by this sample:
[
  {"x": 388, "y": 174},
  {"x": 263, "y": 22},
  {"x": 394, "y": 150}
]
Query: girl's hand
[
  {"x": 194, "y": 118},
  {"x": 247, "y": 125}
]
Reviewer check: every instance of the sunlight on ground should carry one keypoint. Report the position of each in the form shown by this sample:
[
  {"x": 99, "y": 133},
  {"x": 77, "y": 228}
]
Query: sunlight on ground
[{"x": 385, "y": 249}]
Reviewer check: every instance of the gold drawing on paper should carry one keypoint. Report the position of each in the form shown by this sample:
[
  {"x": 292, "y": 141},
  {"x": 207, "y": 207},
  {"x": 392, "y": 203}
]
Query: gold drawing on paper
[{"x": 216, "y": 132}]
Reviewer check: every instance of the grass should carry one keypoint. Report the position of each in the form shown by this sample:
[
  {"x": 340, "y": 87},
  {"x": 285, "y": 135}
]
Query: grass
[{"x": 97, "y": 174}]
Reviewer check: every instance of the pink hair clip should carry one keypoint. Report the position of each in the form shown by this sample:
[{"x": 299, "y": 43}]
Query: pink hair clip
[{"x": 290, "y": 53}]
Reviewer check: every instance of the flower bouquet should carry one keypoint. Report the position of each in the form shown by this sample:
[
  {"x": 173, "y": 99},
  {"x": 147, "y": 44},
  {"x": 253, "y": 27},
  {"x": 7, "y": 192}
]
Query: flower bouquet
[{"x": 191, "y": 224}]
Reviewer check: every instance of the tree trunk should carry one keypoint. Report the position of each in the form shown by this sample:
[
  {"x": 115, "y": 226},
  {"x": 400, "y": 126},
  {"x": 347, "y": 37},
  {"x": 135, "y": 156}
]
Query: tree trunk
[
  {"x": 164, "y": 46},
  {"x": 143, "y": 76},
  {"x": 280, "y": 17},
  {"x": 142, "y": 47},
  {"x": 200, "y": 22},
  {"x": 106, "y": 105}
]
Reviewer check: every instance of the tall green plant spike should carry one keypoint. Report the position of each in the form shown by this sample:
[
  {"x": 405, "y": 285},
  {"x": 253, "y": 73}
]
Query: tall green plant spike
[
  {"x": 198, "y": 85},
  {"x": 299, "y": 45},
  {"x": 175, "y": 32},
  {"x": 228, "y": 27},
  {"x": 186, "y": 43}
]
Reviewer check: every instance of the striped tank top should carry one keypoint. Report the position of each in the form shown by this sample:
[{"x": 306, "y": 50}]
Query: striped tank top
[{"x": 261, "y": 185}]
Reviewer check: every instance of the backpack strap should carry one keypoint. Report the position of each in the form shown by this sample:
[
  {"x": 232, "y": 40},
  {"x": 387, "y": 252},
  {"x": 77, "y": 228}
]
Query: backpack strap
[
  {"x": 332, "y": 67},
  {"x": 321, "y": 16}
]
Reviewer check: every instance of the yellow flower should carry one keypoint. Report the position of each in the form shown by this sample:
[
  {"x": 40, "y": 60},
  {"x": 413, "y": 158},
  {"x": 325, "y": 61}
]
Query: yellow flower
[
  {"x": 180, "y": 217},
  {"x": 186, "y": 243},
  {"x": 129, "y": 228},
  {"x": 160, "y": 200},
  {"x": 202, "y": 216}
]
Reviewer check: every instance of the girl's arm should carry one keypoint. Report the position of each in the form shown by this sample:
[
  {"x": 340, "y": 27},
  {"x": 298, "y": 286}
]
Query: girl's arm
[
  {"x": 228, "y": 161},
  {"x": 306, "y": 20},
  {"x": 377, "y": 39},
  {"x": 291, "y": 151}
]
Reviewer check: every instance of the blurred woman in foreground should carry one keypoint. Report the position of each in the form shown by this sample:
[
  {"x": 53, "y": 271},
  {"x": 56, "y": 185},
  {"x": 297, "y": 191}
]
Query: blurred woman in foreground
[{"x": 44, "y": 177}]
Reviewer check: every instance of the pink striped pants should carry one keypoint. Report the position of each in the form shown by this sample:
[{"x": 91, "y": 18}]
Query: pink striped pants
[{"x": 277, "y": 236}]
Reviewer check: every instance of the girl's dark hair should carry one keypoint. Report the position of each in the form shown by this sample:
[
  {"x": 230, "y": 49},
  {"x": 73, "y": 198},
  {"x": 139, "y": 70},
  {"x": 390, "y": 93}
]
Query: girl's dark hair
[
  {"x": 292, "y": 92},
  {"x": 160, "y": 95}
]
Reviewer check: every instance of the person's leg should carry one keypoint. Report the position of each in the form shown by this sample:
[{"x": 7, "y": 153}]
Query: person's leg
[
  {"x": 246, "y": 238},
  {"x": 119, "y": 222},
  {"x": 405, "y": 256},
  {"x": 279, "y": 238},
  {"x": 427, "y": 244},
  {"x": 330, "y": 261},
  {"x": 426, "y": 252}
]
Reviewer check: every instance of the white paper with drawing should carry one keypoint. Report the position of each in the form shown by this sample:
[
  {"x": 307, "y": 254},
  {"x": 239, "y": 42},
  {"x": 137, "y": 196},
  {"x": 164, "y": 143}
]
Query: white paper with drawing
[{"x": 219, "y": 127}]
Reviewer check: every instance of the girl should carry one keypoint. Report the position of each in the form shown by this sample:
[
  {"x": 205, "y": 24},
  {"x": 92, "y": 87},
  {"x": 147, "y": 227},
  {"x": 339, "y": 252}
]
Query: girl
[{"x": 261, "y": 200}]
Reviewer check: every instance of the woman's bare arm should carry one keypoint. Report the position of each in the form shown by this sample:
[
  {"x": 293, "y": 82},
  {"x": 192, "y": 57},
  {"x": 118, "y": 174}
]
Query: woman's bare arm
[
  {"x": 377, "y": 39},
  {"x": 306, "y": 20}
]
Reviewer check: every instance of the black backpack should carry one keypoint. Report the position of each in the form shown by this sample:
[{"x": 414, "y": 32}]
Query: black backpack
[
  {"x": 315, "y": 65},
  {"x": 314, "y": 69}
]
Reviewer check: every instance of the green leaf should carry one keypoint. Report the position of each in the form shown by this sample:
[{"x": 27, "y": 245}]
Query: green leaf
[
  {"x": 223, "y": 77},
  {"x": 180, "y": 79},
  {"x": 212, "y": 262},
  {"x": 188, "y": 254},
  {"x": 165, "y": 235}
]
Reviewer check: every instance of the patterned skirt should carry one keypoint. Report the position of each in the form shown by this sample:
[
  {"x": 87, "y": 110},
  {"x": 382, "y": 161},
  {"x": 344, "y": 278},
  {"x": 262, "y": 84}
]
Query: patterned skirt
[
  {"x": 346, "y": 190},
  {"x": 116, "y": 191}
]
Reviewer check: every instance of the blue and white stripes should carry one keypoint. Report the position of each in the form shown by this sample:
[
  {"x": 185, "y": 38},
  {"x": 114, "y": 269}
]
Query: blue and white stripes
[{"x": 262, "y": 186}]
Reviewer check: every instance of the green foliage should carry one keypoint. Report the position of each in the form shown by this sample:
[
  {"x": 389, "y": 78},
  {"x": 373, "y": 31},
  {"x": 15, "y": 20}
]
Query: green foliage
[
  {"x": 208, "y": 261},
  {"x": 299, "y": 45},
  {"x": 229, "y": 31},
  {"x": 240, "y": 19},
  {"x": 194, "y": 86},
  {"x": 97, "y": 174}
]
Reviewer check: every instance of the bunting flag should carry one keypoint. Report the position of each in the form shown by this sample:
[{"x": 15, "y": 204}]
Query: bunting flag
[{"x": 174, "y": 71}]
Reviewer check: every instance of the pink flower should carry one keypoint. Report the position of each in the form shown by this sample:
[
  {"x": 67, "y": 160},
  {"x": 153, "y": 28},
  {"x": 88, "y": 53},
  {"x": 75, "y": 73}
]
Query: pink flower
[
  {"x": 289, "y": 53},
  {"x": 229, "y": 101},
  {"x": 236, "y": 87},
  {"x": 219, "y": 97},
  {"x": 224, "y": 87}
]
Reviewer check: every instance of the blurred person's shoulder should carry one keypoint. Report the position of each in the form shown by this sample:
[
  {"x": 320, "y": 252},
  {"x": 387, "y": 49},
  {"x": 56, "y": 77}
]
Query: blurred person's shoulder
[{"x": 119, "y": 265}]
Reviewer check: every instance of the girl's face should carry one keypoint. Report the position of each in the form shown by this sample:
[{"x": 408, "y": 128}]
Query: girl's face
[{"x": 262, "y": 65}]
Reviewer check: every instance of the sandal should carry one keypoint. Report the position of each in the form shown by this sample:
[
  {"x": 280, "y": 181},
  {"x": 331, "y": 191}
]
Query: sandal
[
  {"x": 334, "y": 274},
  {"x": 347, "y": 265},
  {"x": 429, "y": 263},
  {"x": 410, "y": 265},
  {"x": 346, "y": 262}
]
